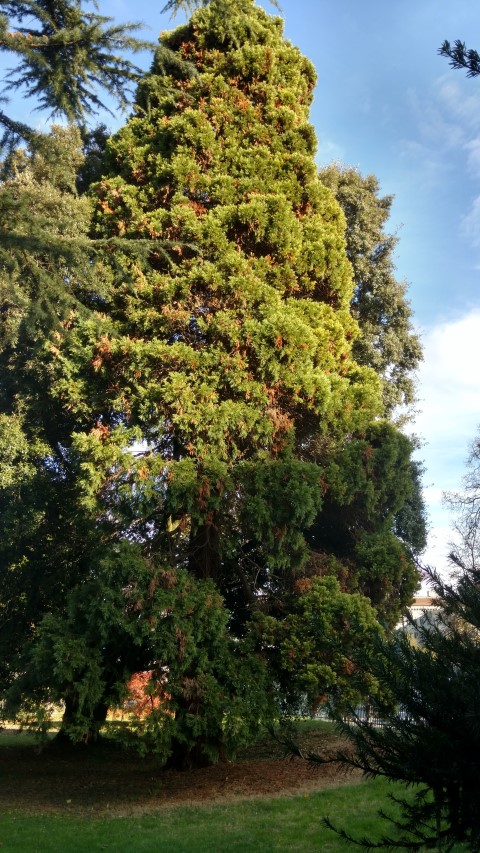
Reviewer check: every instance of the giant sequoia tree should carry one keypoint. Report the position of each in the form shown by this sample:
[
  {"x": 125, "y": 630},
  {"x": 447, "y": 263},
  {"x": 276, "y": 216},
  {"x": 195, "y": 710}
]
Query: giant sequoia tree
[{"x": 191, "y": 409}]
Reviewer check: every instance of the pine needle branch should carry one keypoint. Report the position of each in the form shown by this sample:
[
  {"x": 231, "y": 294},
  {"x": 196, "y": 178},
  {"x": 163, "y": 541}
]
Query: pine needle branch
[
  {"x": 65, "y": 58},
  {"x": 461, "y": 57}
]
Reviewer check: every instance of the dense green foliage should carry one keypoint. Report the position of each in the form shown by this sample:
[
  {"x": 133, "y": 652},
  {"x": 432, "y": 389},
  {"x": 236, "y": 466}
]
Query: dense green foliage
[
  {"x": 431, "y": 734},
  {"x": 40, "y": 284},
  {"x": 387, "y": 342},
  {"x": 313, "y": 646},
  {"x": 196, "y": 480},
  {"x": 372, "y": 521},
  {"x": 431, "y": 703}
]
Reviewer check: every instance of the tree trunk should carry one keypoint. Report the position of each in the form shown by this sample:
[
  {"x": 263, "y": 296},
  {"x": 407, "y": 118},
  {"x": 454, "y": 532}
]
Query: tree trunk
[
  {"x": 184, "y": 757},
  {"x": 91, "y": 735},
  {"x": 204, "y": 561}
]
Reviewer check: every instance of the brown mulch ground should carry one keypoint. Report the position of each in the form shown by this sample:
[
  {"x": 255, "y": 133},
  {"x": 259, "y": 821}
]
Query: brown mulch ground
[{"x": 109, "y": 781}]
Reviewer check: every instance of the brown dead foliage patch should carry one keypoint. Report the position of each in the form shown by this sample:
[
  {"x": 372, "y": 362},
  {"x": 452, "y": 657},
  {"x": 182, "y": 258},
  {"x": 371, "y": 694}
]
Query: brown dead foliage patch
[{"x": 111, "y": 781}]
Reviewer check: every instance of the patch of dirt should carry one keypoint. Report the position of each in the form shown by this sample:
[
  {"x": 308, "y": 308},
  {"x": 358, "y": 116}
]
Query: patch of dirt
[{"x": 110, "y": 781}]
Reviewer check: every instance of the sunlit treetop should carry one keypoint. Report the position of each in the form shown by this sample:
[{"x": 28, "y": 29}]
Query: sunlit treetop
[
  {"x": 189, "y": 6},
  {"x": 239, "y": 343}
]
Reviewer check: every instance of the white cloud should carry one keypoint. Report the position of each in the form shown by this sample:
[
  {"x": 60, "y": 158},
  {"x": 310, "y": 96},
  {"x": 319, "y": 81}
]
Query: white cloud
[
  {"x": 447, "y": 122},
  {"x": 440, "y": 542},
  {"x": 433, "y": 495},
  {"x": 470, "y": 223},
  {"x": 460, "y": 100},
  {"x": 439, "y": 546},
  {"x": 452, "y": 356},
  {"x": 430, "y": 164},
  {"x": 328, "y": 151},
  {"x": 438, "y": 123},
  {"x": 449, "y": 391},
  {"x": 473, "y": 160},
  {"x": 448, "y": 126}
]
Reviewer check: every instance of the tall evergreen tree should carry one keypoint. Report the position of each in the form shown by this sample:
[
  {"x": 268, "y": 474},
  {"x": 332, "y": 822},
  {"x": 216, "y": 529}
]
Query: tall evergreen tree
[
  {"x": 175, "y": 399},
  {"x": 256, "y": 322}
]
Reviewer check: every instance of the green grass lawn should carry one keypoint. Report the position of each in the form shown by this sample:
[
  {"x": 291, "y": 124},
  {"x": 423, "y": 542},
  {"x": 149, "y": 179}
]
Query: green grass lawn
[
  {"x": 281, "y": 824},
  {"x": 288, "y": 823}
]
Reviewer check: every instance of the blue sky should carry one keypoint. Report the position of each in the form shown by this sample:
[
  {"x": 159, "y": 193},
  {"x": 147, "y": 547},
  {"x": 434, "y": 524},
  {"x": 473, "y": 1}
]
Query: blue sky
[{"x": 387, "y": 103}]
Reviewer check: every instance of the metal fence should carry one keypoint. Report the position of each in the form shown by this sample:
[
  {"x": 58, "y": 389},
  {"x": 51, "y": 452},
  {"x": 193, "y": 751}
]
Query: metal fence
[{"x": 365, "y": 714}]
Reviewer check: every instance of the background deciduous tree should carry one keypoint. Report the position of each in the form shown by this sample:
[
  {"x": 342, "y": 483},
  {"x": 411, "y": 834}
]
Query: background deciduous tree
[
  {"x": 387, "y": 341},
  {"x": 371, "y": 527},
  {"x": 466, "y": 508}
]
